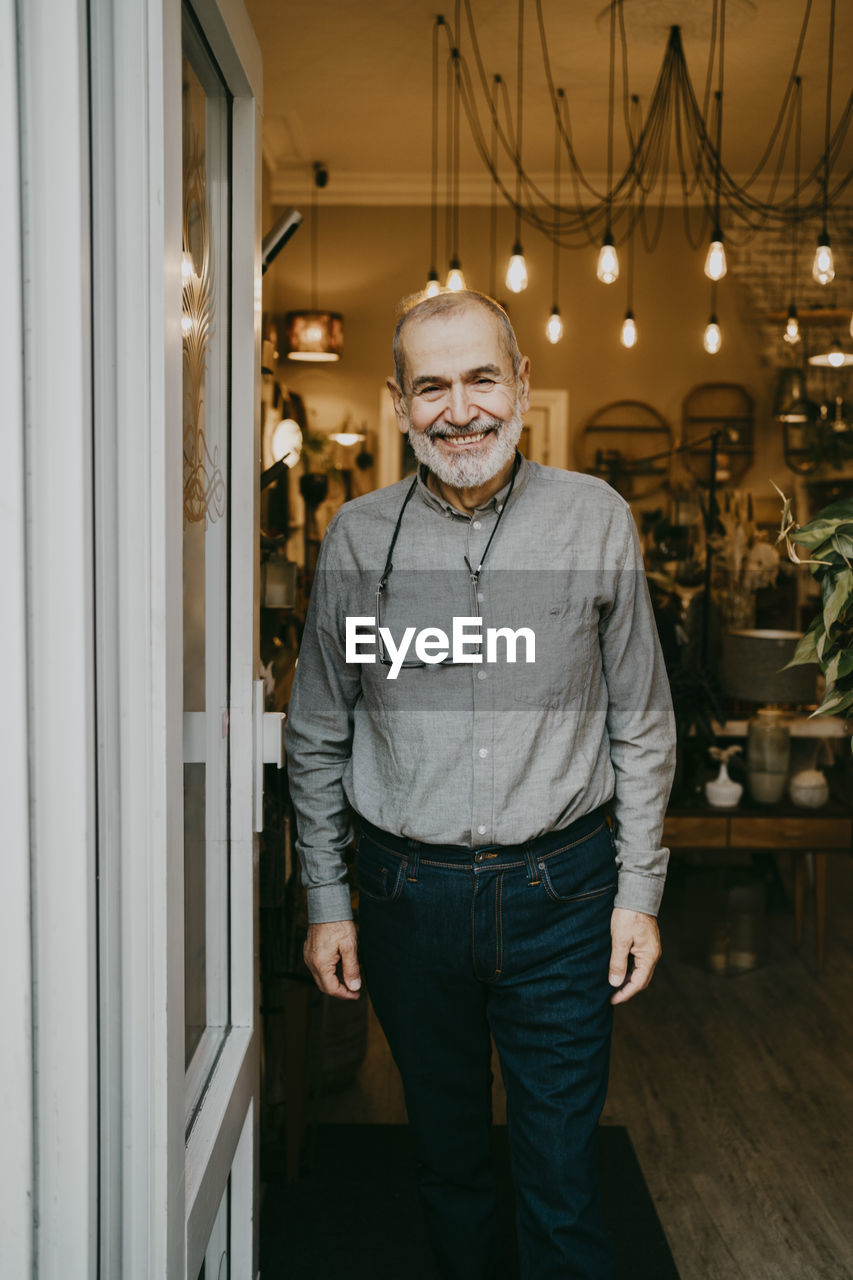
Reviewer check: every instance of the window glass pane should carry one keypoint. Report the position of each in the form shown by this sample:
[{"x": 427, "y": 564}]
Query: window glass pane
[{"x": 204, "y": 274}]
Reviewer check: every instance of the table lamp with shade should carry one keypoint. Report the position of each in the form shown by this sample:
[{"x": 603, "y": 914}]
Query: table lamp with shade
[{"x": 753, "y": 669}]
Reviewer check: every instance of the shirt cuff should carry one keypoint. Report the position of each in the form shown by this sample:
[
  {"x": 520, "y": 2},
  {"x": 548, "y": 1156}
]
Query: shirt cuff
[
  {"x": 329, "y": 903},
  {"x": 637, "y": 892}
]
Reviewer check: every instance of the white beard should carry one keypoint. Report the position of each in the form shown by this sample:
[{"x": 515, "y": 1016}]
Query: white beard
[{"x": 480, "y": 462}]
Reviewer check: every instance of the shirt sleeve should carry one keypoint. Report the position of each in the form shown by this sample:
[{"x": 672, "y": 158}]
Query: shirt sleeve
[
  {"x": 318, "y": 741},
  {"x": 641, "y": 729}
]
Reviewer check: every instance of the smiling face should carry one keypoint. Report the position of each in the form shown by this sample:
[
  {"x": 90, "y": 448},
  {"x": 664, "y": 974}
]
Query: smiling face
[{"x": 461, "y": 402}]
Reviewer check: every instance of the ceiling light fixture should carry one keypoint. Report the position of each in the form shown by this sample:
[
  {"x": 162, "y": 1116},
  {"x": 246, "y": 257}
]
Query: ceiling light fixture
[
  {"x": 628, "y": 332},
  {"x": 314, "y": 336},
  {"x": 792, "y": 325},
  {"x": 607, "y": 268},
  {"x": 835, "y": 358},
  {"x": 823, "y": 267},
  {"x": 715, "y": 260},
  {"x": 432, "y": 285},
  {"x": 554, "y": 325},
  {"x": 516, "y": 272},
  {"x": 712, "y": 339},
  {"x": 455, "y": 281}
]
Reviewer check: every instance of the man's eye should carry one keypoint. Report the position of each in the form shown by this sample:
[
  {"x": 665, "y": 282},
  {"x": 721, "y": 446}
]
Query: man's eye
[{"x": 485, "y": 382}]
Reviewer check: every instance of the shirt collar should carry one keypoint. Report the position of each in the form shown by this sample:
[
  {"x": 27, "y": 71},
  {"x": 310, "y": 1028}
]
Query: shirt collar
[{"x": 494, "y": 503}]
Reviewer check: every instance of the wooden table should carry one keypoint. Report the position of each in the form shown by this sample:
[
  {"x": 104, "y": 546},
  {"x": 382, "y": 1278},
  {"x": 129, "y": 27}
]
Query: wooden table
[{"x": 771, "y": 829}]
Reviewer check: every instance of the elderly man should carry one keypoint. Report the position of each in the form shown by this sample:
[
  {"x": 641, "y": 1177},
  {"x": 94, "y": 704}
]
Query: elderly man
[{"x": 481, "y": 688}]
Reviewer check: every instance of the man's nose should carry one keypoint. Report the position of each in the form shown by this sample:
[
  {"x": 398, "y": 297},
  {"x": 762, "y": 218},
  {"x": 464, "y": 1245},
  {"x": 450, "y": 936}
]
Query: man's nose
[{"x": 460, "y": 407}]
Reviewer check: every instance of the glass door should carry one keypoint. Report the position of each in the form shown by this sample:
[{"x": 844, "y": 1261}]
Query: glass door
[
  {"x": 217, "y": 558},
  {"x": 205, "y": 323}
]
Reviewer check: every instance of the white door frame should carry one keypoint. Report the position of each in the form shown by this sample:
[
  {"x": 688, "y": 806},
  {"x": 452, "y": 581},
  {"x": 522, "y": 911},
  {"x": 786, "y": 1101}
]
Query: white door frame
[
  {"x": 48, "y": 487},
  {"x": 16, "y": 1060},
  {"x": 159, "y": 1197}
]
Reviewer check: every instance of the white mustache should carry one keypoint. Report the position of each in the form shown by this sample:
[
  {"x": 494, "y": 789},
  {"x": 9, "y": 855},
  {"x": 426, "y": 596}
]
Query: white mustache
[{"x": 484, "y": 424}]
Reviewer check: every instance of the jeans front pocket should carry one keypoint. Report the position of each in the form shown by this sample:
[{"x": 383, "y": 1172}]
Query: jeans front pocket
[
  {"x": 581, "y": 871},
  {"x": 380, "y": 872}
]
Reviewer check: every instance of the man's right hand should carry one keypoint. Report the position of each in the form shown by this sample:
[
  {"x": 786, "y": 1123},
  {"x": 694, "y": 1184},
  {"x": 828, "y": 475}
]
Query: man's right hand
[{"x": 331, "y": 954}]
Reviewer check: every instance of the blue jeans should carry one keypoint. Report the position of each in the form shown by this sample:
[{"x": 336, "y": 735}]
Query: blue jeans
[{"x": 514, "y": 940}]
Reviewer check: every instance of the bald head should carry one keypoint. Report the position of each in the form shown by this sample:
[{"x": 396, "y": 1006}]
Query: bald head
[{"x": 447, "y": 304}]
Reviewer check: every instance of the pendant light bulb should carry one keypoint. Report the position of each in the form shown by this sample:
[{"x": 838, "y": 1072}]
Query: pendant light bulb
[
  {"x": 554, "y": 327},
  {"x": 455, "y": 280},
  {"x": 823, "y": 267},
  {"x": 432, "y": 285},
  {"x": 516, "y": 272},
  {"x": 835, "y": 357},
  {"x": 608, "y": 261},
  {"x": 715, "y": 261},
  {"x": 712, "y": 339},
  {"x": 792, "y": 326},
  {"x": 628, "y": 336}
]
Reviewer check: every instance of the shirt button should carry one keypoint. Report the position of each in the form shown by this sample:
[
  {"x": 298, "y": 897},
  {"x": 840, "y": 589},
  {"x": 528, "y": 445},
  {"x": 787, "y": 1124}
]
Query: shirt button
[
  {"x": 481, "y": 831},
  {"x": 477, "y": 524},
  {"x": 481, "y": 675},
  {"x": 483, "y": 753},
  {"x": 500, "y": 506},
  {"x": 480, "y": 595}
]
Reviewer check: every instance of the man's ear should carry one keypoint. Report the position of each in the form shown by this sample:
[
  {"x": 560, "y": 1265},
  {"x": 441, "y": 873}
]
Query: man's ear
[
  {"x": 399, "y": 405},
  {"x": 524, "y": 384}
]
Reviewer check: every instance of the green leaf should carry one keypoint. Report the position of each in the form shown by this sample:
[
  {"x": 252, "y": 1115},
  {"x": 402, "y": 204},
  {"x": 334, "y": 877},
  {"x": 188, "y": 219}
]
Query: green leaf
[
  {"x": 839, "y": 666},
  {"x": 806, "y": 650},
  {"x": 834, "y": 703},
  {"x": 843, "y": 544},
  {"x": 814, "y": 534},
  {"x": 839, "y": 598}
]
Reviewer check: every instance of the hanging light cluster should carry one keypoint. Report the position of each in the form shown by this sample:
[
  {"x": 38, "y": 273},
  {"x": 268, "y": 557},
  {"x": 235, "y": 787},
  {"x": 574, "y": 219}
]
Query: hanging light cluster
[{"x": 607, "y": 219}]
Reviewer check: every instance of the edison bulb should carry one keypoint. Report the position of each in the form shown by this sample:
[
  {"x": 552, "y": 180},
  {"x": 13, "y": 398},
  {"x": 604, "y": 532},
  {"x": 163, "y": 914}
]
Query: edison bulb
[
  {"x": 715, "y": 261},
  {"x": 628, "y": 336},
  {"x": 554, "y": 327},
  {"x": 432, "y": 285},
  {"x": 712, "y": 339},
  {"x": 836, "y": 358},
  {"x": 823, "y": 267},
  {"x": 608, "y": 262},
  {"x": 516, "y": 272},
  {"x": 455, "y": 280},
  {"x": 792, "y": 327}
]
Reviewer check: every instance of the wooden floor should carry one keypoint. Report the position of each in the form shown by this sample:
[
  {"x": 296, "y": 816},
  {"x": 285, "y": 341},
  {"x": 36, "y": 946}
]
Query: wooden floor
[{"x": 737, "y": 1093}]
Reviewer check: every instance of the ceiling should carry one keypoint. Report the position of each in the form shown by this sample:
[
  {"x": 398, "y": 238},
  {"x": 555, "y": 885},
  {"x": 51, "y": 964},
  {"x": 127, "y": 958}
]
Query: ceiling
[{"x": 349, "y": 83}]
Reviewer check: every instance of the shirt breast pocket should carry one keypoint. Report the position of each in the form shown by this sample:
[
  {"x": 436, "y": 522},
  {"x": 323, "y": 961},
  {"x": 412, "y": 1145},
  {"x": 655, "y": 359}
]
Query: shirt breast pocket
[{"x": 565, "y": 632}]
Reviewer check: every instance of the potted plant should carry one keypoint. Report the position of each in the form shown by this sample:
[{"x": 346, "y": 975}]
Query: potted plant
[{"x": 828, "y": 540}]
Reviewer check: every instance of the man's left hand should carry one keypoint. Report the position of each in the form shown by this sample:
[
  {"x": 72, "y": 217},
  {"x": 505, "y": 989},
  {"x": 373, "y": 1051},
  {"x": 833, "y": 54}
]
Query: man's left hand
[{"x": 636, "y": 935}]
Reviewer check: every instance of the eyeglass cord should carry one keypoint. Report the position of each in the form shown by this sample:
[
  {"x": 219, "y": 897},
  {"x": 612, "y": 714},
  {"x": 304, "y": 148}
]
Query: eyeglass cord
[{"x": 475, "y": 573}]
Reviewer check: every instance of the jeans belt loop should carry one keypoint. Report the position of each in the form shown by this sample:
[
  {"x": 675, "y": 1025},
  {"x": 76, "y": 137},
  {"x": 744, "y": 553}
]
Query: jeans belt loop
[
  {"x": 413, "y": 862},
  {"x": 534, "y": 875}
]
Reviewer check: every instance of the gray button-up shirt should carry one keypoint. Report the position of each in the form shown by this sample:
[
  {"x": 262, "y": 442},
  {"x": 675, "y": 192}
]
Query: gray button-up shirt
[{"x": 484, "y": 750}]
